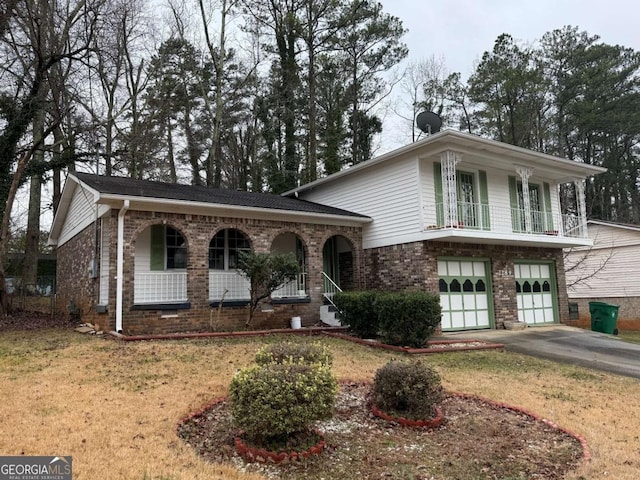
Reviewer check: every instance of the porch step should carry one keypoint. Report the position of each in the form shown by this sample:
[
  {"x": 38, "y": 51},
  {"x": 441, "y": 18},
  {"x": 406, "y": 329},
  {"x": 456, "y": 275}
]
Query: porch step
[{"x": 330, "y": 315}]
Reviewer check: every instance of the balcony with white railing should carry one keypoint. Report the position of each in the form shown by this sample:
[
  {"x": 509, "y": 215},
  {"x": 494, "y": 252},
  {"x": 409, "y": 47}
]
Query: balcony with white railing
[
  {"x": 504, "y": 225},
  {"x": 160, "y": 287}
]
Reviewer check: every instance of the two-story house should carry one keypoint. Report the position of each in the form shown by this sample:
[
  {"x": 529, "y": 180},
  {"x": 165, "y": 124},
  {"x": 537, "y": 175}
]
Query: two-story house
[{"x": 475, "y": 220}]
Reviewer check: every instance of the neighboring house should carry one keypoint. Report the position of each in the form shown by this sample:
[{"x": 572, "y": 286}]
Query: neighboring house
[
  {"x": 476, "y": 220},
  {"x": 607, "y": 271}
]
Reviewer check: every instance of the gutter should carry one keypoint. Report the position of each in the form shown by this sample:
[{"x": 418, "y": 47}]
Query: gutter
[{"x": 120, "y": 265}]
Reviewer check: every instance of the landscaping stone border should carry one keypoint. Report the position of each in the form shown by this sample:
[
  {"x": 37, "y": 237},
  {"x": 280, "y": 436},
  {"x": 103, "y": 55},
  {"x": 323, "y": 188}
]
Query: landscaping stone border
[
  {"x": 316, "y": 449},
  {"x": 434, "y": 422},
  {"x": 586, "y": 452},
  {"x": 420, "y": 351},
  {"x": 261, "y": 455},
  {"x": 248, "y": 333},
  {"x": 335, "y": 332}
]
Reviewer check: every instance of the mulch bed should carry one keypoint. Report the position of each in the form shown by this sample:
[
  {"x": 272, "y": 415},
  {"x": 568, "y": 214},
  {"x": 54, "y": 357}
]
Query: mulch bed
[{"x": 478, "y": 440}]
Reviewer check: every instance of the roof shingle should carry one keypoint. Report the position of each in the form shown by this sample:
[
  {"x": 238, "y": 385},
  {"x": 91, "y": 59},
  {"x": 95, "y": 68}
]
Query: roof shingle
[{"x": 143, "y": 188}]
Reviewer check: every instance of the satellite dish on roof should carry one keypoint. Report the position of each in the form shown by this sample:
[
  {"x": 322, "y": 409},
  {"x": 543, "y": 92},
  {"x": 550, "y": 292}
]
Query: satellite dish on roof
[{"x": 429, "y": 122}]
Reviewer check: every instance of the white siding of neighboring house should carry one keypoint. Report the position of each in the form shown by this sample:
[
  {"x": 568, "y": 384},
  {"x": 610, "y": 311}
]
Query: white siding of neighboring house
[
  {"x": 614, "y": 260},
  {"x": 80, "y": 215},
  {"x": 387, "y": 193}
]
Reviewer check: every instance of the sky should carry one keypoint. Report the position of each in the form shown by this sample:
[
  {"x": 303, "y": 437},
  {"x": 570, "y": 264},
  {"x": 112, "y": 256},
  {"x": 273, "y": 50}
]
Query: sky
[{"x": 461, "y": 31}]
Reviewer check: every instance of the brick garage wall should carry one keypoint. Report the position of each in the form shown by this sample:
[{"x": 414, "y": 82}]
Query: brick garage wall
[
  {"x": 72, "y": 275},
  {"x": 197, "y": 231},
  {"x": 628, "y": 313},
  {"x": 413, "y": 266}
]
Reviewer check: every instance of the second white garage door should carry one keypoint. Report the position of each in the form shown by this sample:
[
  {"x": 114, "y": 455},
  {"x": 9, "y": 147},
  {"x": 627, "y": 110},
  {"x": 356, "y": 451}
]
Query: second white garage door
[{"x": 536, "y": 293}]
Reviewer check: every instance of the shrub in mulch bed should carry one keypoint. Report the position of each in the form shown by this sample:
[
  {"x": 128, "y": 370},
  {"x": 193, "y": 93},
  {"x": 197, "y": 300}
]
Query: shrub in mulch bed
[
  {"x": 479, "y": 439},
  {"x": 407, "y": 391}
]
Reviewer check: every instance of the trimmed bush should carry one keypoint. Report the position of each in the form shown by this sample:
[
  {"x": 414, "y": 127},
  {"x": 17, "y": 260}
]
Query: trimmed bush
[
  {"x": 408, "y": 318},
  {"x": 407, "y": 389},
  {"x": 274, "y": 401},
  {"x": 358, "y": 311},
  {"x": 289, "y": 352}
]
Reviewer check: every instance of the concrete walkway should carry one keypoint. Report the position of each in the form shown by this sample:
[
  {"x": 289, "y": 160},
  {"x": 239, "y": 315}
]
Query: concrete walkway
[{"x": 568, "y": 345}]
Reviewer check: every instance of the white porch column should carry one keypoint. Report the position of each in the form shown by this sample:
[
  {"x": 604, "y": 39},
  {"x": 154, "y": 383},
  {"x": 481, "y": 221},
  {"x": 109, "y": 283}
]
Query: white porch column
[
  {"x": 581, "y": 204},
  {"x": 525, "y": 173},
  {"x": 449, "y": 160}
]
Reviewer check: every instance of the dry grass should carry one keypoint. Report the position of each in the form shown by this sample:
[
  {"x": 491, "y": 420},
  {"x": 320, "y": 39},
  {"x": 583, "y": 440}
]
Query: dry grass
[{"x": 115, "y": 406}]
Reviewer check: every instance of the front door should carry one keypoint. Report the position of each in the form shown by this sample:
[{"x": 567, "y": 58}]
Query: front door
[
  {"x": 465, "y": 294},
  {"x": 536, "y": 293}
]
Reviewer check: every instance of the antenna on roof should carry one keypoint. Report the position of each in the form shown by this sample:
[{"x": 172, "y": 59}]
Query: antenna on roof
[{"x": 429, "y": 122}]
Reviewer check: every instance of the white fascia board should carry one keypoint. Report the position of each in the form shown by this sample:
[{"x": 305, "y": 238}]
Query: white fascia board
[
  {"x": 488, "y": 238},
  {"x": 219, "y": 209}
]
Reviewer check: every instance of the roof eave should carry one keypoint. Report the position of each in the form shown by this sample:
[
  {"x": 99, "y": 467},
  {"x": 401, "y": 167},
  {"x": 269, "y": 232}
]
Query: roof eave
[
  {"x": 115, "y": 199},
  {"x": 575, "y": 169}
]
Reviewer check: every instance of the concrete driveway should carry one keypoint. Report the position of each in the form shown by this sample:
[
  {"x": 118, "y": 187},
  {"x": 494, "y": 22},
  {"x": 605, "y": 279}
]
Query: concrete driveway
[{"x": 568, "y": 345}]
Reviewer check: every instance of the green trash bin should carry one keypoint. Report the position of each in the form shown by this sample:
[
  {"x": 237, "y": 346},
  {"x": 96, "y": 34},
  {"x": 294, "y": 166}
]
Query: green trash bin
[{"x": 604, "y": 317}]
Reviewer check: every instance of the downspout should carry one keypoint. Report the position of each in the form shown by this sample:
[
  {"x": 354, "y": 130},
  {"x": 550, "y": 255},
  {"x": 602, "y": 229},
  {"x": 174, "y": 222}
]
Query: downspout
[{"x": 120, "y": 265}]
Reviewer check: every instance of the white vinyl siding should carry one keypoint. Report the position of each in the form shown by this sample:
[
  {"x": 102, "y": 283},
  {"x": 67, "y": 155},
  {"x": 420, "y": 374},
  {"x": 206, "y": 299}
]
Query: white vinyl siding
[
  {"x": 143, "y": 251},
  {"x": 105, "y": 239},
  {"x": 388, "y": 194},
  {"x": 609, "y": 268},
  {"x": 498, "y": 193},
  {"x": 80, "y": 215}
]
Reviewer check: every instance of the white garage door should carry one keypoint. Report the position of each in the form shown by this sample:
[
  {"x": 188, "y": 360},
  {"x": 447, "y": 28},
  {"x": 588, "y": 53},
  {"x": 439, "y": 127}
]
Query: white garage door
[
  {"x": 536, "y": 293},
  {"x": 464, "y": 294}
]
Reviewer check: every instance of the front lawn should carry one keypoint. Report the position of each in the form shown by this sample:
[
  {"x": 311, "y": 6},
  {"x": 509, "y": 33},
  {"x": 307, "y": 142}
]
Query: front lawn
[
  {"x": 630, "y": 335},
  {"x": 115, "y": 406}
]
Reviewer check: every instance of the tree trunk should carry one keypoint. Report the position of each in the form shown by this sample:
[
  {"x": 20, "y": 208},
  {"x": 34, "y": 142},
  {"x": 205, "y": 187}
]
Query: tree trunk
[{"x": 32, "y": 241}]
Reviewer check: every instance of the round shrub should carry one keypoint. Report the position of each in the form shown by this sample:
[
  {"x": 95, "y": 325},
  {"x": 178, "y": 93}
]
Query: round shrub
[
  {"x": 408, "y": 318},
  {"x": 409, "y": 389},
  {"x": 358, "y": 311},
  {"x": 274, "y": 401},
  {"x": 289, "y": 352}
]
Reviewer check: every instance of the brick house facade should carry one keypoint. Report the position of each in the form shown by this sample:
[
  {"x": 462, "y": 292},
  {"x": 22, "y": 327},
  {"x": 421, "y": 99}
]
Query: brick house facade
[
  {"x": 475, "y": 220},
  {"x": 200, "y": 315}
]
